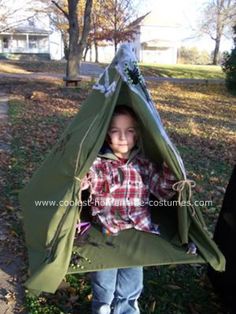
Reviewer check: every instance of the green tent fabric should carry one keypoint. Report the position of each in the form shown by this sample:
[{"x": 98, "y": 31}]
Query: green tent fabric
[{"x": 50, "y": 226}]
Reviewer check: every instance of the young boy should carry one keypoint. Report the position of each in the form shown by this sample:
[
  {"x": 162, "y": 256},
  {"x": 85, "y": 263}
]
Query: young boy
[{"x": 120, "y": 181}]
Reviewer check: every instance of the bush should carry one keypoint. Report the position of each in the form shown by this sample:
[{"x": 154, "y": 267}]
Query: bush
[
  {"x": 191, "y": 55},
  {"x": 229, "y": 66}
]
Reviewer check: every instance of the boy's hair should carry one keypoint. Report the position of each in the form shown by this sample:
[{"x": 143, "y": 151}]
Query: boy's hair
[{"x": 124, "y": 110}]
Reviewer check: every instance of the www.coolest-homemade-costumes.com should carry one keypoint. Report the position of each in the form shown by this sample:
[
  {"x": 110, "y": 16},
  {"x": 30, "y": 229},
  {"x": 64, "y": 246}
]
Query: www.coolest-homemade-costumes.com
[{"x": 50, "y": 230}]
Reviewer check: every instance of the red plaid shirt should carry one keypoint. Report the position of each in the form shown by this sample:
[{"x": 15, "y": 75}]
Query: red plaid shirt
[{"x": 120, "y": 191}]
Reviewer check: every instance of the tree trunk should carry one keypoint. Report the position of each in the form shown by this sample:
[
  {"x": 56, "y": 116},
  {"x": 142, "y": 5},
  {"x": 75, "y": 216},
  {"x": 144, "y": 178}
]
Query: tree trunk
[
  {"x": 72, "y": 68},
  {"x": 73, "y": 61},
  {"x": 86, "y": 51},
  {"x": 76, "y": 46},
  {"x": 115, "y": 45},
  {"x": 216, "y": 52},
  {"x": 65, "y": 44},
  {"x": 96, "y": 51},
  {"x": 79, "y": 58},
  {"x": 86, "y": 29}
]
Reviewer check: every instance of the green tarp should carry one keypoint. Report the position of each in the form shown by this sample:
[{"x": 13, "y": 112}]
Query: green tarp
[{"x": 50, "y": 225}]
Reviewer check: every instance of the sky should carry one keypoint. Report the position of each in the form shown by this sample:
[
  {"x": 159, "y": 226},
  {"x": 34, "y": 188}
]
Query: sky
[{"x": 185, "y": 13}]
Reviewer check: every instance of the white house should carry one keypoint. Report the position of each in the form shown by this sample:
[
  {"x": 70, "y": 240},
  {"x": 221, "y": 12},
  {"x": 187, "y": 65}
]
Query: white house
[
  {"x": 31, "y": 38},
  {"x": 156, "y": 41}
]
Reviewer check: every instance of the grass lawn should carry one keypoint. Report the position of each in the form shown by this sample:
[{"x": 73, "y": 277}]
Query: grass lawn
[
  {"x": 183, "y": 71},
  {"x": 156, "y": 70},
  {"x": 200, "y": 120},
  {"x": 17, "y": 66}
]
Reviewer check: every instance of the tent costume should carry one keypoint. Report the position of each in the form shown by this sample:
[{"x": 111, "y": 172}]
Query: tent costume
[{"x": 50, "y": 229}]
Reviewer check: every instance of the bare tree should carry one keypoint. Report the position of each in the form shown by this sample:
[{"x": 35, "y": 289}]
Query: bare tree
[
  {"x": 217, "y": 19},
  {"x": 106, "y": 19},
  {"x": 118, "y": 17},
  {"x": 77, "y": 34},
  {"x": 111, "y": 20},
  {"x": 98, "y": 20}
]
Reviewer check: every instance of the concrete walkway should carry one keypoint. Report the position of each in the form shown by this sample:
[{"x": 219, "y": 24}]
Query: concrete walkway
[
  {"x": 5, "y": 278},
  {"x": 4, "y": 147},
  {"x": 91, "y": 69},
  {"x": 11, "y": 263}
]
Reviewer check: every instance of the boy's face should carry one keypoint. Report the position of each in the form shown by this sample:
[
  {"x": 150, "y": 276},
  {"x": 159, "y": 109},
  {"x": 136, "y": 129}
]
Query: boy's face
[{"x": 123, "y": 135}]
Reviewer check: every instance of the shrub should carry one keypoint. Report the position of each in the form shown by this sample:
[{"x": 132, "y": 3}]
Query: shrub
[
  {"x": 191, "y": 55},
  {"x": 229, "y": 66}
]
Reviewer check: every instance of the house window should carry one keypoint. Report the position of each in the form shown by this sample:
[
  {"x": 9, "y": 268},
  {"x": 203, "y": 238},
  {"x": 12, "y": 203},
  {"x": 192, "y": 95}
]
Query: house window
[{"x": 5, "y": 42}]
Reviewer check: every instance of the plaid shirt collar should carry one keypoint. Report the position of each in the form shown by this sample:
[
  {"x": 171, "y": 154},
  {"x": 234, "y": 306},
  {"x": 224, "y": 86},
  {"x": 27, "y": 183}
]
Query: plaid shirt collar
[{"x": 107, "y": 153}]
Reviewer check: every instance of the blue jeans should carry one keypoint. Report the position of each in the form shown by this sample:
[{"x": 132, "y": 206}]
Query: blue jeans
[{"x": 116, "y": 291}]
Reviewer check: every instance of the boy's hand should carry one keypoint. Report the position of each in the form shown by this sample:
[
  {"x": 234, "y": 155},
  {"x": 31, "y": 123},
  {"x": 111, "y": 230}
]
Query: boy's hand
[{"x": 84, "y": 183}]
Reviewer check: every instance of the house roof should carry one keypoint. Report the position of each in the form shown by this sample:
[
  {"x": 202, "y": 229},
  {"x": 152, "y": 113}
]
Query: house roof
[
  {"x": 157, "y": 18},
  {"x": 27, "y": 30},
  {"x": 138, "y": 21}
]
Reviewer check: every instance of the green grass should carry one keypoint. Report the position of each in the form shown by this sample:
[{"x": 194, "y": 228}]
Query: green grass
[
  {"x": 158, "y": 70},
  {"x": 183, "y": 71},
  {"x": 17, "y": 66},
  {"x": 177, "y": 289}
]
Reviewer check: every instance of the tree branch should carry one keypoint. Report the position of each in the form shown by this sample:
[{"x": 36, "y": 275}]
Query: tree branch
[
  {"x": 61, "y": 9},
  {"x": 9, "y": 26},
  {"x": 87, "y": 20}
]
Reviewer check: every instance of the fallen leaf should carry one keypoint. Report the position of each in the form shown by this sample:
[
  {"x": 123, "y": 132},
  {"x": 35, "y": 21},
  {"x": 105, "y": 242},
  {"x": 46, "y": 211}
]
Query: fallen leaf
[
  {"x": 10, "y": 297},
  {"x": 174, "y": 287}
]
